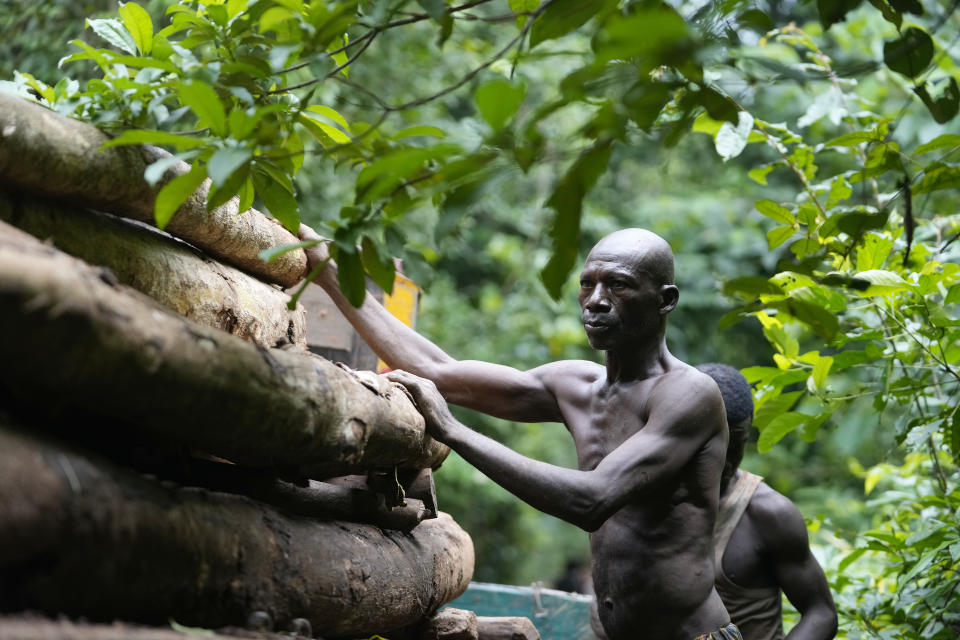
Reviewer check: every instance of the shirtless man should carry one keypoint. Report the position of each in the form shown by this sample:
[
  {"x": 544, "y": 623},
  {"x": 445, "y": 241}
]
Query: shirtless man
[
  {"x": 761, "y": 540},
  {"x": 649, "y": 430}
]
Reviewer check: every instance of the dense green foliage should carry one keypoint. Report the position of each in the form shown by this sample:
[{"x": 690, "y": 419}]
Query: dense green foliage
[{"x": 802, "y": 161}]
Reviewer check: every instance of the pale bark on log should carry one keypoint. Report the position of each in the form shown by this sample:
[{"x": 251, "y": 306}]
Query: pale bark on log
[
  {"x": 506, "y": 628},
  {"x": 168, "y": 270},
  {"x": 75, "y": 342},
  {"x": 48, "y": 154},
  {"x": 450, "y": 624},
  {"x": 82, "y": 537}
]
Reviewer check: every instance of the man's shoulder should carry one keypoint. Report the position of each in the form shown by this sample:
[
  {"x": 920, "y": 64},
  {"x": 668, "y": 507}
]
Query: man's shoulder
[
  {"x": 581, "y": 370},
  {"x": 685, "y": 388},
  {"x": 777, "y": 518}
]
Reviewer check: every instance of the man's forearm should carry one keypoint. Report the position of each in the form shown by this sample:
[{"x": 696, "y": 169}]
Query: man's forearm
[
  {"x": 819, "y": 623},
  {"x": 397, "y": 344},
  {"x": 558, "y": 491}
]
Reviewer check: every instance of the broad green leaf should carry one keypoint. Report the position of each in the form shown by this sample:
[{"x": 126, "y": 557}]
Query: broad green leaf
[
  {"x": 335, "y": 134},
  {"x": 834, "y": 11},
  {"x": 204, "y": 102},
  {"x": 777, "y": 428},
  {"x": 873, "y": 252},
  {"x": 937, "y": 178},
  {"x": 855, "y": 138},
  {"x": 246, "y": 194},
  {"x": 881, "y": 282},
  {"x": 350, "y": 276},
  {"x": 271, "y": 254},
  {"x": 332, "y": 114},
  {"x": 909, "y": 54},
  {"x": 232, "y": 185},
  {"x": 282, "y": 205},
  {"x": 945, "y": 102},
  {"x": 567, "y": 201},
  {"x": 175, "y": 193},
  {"x": 778, "y": 235},
  {"x": 840, "y": 190},
  {"x": 420, "y": 130},
  {"x": 380, "y": 268},
  {"x": 810, "y": 428},
  {"x": 521, "y": 7},
  {"x": 225, "y": 161},
  {"x": 850, "y": 558},
  {"x": 497, "y": 101},
  {"x": 759, "y": 174},
  {"x": 138, "y": 23},
  {"x": 150, "y": 136},
  {"x": 273, "y": 18},
  {"x": 655, "y": 35},
  {"x": 113, "y": 32},
  {"x": 560, "y": 18},
  {"x": 776, "y": 212},
  {"x": 943, "y": 141},
  {"x": 954, "y": 435},
  {"x": 732, "y": 140},
  {"x": 821, "y": 370}
]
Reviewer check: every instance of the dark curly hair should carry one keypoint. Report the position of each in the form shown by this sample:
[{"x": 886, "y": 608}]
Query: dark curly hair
[{"x": 738, "y": 401}]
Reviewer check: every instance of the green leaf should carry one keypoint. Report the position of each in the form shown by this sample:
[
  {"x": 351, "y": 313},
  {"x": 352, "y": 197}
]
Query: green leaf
[
  {"x": 943, "y": 107},
  {"x": 175, "y": 193},
  {"x": 497, "y": 101},
  {"x": 850, "y": 558},
  {"x": 350, "y": 276},
  {"x": 332, "y": 132},
  {"x": 523, "y": 6},
  {"x": 821, "y": 370},
  {"x": 115, "y": 33},
  {"x": 271, "y": 254},
  {"x": 778, "y": 235},
  {"x": 943, "y": 141},
  {"x": 138, "y": 23},
  {"x": 246, "y": 194},
  {"x": 908, "y": 6},
  {"x": 840, "y": 190},
  {"x": 224, "y": 162},
  {"x": 567, "y": 201},
  {"x": 420, "y": 130},
  {"x": 780, "y": 426},
  {"x": 150, "y": 136},
  {"x": 938, "y": 177},
  {"x": 882, "y": 282},
  {"x": 381, "y": 269},
  {"x": 954, "y": 435},
  {"x": 759, "y": 174},
  {"x": 282, "y": 205},
  {"x": 751, "y": 287},
  {"x": 330, "y": 113},
  {"x": 855, "y": 138},
  {"x": 204, "y": 102},
  {"x": 834, "y": 11},
  {"x": 560, "y": 18},
  {"x": 909, "y": 54},
  {"x": 776, "y": 212},
  {"x": 732, "y": 140},
  {"x": 234, "y": 183}
]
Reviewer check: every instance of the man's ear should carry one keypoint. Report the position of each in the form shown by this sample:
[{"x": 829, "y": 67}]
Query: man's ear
[{"x": 669, "y": 294}]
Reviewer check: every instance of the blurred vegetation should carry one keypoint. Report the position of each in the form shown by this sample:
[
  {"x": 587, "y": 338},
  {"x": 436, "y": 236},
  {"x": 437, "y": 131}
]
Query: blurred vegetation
[{"x": 800, "y": 158}]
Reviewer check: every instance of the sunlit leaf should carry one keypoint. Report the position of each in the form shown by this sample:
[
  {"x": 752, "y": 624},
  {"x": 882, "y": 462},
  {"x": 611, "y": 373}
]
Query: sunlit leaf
[
  {"x": 777, "y": 428},
  {"x": 497, "y": 101},
  {"x": 138, "y": 23},
  {"x": 113, "y": 32},
  {"x": 175, "y": 193},
  {"x": 204, "y": 102}
]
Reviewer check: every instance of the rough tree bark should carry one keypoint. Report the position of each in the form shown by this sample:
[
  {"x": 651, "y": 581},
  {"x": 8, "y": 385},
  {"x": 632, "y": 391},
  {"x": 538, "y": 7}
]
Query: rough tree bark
[
  {"x": 82, "y": 537},
  {"x": 75, "y": 341},
  {"x": 45, "y": 153},
  {"x": 168, "y": 270},
  {"x": 37, "y": 628}
]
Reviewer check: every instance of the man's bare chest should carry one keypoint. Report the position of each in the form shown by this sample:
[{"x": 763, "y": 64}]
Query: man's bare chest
[{"x": 601, "y": 424}]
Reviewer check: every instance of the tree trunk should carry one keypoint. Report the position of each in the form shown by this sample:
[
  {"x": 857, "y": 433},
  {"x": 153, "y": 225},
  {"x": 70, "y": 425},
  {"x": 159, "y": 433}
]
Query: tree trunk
[
  {"x": 37, "y": 628},
  {"x": 169, "y": 271},
  {"x": 48, "y": 154},
  {"x": 82, "y": 537},
  {"x": 72, "y": 341}
]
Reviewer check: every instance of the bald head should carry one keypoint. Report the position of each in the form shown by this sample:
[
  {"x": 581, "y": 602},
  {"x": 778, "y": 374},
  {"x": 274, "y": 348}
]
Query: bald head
[{"x": 644, "y": 250}]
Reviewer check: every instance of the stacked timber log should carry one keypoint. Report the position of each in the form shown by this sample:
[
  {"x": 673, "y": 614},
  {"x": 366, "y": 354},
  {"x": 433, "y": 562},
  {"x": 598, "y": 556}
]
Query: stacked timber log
[{"x": 169, "y": 448}]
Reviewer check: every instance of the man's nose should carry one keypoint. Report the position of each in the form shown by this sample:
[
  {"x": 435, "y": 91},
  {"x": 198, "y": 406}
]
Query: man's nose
[{"x": 597, "y": 300}]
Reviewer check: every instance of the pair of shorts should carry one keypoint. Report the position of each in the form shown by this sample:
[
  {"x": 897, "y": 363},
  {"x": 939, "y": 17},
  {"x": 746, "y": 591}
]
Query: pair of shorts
[{"x": 729, "y": 632}]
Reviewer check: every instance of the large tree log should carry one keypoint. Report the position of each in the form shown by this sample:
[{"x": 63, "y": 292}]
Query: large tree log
[
  {"x": 48, "y": 154},
  {"x": 74, "y": 341},
  {"x": 82, "y": 537},
  {"x": 169, "y": 271},
  {"x": 37, "y": 628}
]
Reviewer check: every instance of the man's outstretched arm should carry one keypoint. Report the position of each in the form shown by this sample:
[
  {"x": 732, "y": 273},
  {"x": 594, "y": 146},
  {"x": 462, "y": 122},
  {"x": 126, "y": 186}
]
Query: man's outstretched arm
[
  {"x": 797, "y": 571},
  {"x": 494, "y": 389},
  {"x": 585, "y": 498}
]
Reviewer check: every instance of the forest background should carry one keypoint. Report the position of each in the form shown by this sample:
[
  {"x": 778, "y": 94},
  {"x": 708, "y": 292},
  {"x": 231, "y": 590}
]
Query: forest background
[{"x": 800, "y": 157}]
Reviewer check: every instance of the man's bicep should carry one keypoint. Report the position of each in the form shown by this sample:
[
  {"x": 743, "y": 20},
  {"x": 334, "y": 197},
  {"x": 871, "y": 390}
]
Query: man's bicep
[
  {"x": 797, "y": 571},
  {"x": 501, "y": 391}
]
